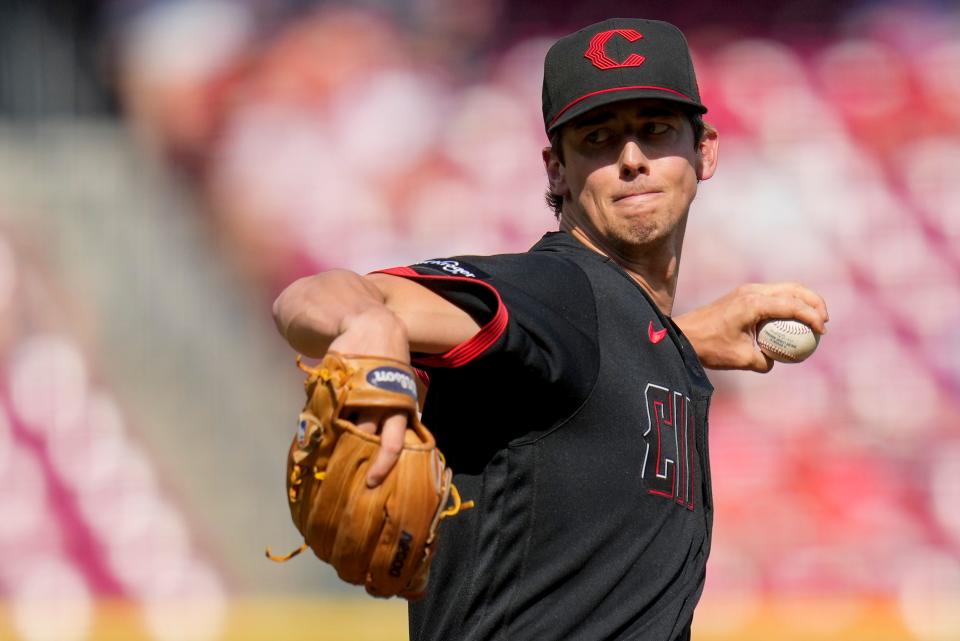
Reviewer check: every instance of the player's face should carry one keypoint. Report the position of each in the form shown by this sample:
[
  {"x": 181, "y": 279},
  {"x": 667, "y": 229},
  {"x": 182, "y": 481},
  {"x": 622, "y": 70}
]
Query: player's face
[{"x": 629, "y": 174}]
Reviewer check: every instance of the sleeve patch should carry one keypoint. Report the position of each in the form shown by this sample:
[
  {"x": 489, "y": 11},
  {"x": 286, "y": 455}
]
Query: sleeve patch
[{"x": 454, "y": 267}]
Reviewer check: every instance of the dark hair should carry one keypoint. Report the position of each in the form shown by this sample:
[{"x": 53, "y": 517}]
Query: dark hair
[{"x": 555, "y": 202}]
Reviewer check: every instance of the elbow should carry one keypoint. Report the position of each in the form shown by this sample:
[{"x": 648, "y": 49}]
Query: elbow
[
  {"x": 285, "y": 306},
  {"x": 275, "y": 310},
  {"x": 310, "y": 312}
]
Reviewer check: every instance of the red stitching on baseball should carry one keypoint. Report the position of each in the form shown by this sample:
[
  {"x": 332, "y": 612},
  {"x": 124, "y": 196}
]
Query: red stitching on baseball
[
  {"x": 792, "y": 327},
  {"x": 779, "y": 352}
]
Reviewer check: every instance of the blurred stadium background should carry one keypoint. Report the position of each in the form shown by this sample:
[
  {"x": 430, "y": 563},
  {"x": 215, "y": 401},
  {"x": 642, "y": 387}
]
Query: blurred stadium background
[{"x": 166, "y": 167}]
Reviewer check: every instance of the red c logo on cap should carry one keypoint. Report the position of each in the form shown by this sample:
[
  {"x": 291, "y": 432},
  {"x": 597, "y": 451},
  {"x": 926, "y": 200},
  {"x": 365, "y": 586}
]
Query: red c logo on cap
[{"x": 599, "y": 57}]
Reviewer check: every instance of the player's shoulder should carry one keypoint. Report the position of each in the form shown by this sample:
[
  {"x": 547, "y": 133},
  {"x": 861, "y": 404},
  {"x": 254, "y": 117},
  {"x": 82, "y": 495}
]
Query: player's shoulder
[{"x": 550, "y": 264}]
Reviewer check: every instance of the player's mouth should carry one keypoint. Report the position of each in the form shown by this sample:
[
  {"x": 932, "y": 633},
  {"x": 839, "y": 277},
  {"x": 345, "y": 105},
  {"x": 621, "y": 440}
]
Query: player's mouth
[{"x": 637, "y": 196}]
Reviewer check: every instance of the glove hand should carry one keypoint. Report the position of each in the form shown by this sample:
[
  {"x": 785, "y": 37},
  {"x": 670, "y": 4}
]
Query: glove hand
[
  {"x": 381, "y": 537},
  {"x": 377, "y": 331},
  {"x": 391, "y": 427}
]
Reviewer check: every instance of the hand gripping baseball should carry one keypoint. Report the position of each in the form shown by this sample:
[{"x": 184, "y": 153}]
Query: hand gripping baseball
[{"x": 381, "y": 537}]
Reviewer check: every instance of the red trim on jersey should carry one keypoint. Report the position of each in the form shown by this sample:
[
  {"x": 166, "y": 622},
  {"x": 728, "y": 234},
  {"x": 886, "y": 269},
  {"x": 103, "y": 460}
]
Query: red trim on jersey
[
  {"x": 597, "y": 93},
  {"x": 399, "y": 271},
  {"x": 476, "y": 344},
  {"x": 423, "y": 375}
]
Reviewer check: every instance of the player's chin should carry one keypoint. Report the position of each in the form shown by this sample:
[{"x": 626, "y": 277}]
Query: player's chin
[{"x": 639, "y": 233}]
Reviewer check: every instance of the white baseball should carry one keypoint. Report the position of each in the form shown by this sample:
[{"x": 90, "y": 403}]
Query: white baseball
[{"x": 787, "y": 341}]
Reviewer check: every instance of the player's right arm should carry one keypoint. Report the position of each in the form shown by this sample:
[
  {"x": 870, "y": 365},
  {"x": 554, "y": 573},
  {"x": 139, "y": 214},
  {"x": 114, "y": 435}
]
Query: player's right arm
[
  {"x": 724, "y": 332},
  {"x": 378, "y": 314}
]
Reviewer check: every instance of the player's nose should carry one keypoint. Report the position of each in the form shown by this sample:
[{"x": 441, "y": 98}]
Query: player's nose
[{"x": 632, "y": 160}]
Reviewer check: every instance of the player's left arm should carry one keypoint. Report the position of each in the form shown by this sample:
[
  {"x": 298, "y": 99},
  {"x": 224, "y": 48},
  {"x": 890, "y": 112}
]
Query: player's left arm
[{"x": 724, "y": 332}]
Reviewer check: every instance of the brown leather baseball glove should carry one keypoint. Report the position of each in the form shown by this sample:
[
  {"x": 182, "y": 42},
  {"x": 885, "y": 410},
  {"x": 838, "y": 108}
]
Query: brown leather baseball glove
[{"x": 382, "y": 537}]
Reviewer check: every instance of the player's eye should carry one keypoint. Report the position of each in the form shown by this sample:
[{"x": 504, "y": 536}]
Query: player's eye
[
  {"x": 598, "y": 136},
  {"x": 656, "y": 128}
]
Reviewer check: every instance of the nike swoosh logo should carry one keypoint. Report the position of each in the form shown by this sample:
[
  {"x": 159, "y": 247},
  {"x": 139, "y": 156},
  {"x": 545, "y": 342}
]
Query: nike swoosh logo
[{"x": 656, "y": 335}]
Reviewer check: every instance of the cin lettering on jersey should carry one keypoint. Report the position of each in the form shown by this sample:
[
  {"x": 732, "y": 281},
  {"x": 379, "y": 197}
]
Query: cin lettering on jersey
[{"x": 669, "y": 462}]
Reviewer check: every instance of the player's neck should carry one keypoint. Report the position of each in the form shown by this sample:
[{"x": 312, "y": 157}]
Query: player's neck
[{"x": 655, "y": 269}]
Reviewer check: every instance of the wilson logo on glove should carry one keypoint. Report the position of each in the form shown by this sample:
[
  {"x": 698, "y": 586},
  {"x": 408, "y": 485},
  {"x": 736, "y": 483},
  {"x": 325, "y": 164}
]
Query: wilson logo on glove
[
  {"x": 383, "y": 537},
  {"x": 393, "y": 379}
]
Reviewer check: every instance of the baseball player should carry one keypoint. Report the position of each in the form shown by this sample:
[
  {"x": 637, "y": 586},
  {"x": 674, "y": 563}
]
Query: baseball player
[{"x": 570, "y": 405}]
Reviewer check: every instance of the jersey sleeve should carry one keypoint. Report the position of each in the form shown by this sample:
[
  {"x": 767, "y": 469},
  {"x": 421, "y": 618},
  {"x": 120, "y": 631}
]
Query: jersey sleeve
[
  {"x": 538, "y": 328},
  {"x": 477, "y": 296}
]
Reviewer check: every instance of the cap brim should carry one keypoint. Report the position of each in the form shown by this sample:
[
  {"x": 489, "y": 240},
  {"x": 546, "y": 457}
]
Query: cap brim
[{"x": 607, "y": 96}]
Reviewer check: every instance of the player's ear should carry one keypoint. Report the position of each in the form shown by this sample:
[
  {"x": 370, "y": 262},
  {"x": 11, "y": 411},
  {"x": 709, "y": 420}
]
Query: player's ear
[
  {"x": 556, "y": 175},
  {"x": 707, "y": 151}
]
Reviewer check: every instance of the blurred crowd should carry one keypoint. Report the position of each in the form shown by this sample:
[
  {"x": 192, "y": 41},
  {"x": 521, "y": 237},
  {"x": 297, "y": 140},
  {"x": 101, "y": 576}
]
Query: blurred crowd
[
  {"x": 378, "y": 134},
  {"x": 86, "y": 514}
]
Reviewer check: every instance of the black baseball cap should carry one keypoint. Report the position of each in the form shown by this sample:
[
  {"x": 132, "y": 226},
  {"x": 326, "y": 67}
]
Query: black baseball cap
[{"x": 613, "y": 60}]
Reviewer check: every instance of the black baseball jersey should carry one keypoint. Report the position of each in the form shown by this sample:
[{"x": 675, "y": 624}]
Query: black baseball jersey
[{"x": 577, "y": 420}]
